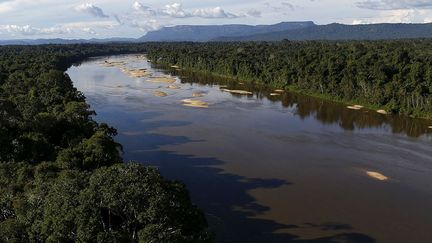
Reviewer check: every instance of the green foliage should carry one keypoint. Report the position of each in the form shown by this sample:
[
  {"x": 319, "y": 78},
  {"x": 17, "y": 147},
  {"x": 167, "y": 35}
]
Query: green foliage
[
  {"x": 131, "y": 201},
  {"x": 395, "y": 75},
  {"x": 61, "y": 174}
]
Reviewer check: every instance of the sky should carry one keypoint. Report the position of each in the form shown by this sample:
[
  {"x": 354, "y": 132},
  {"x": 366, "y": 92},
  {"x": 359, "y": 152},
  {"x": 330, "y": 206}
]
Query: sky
[{"x": 68, "y": 19}]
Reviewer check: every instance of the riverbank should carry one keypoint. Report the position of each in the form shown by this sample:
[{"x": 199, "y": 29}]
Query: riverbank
[
  {"x": 294, "y": 89},
  {"x": 251, "y": 161},
  {"x": 391, "y": 76}
]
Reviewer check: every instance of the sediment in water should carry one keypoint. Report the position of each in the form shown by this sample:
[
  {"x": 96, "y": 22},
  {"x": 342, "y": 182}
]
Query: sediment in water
[
  {"x": 195, "y": 103},
  {"x": 241, "y": 92},
  {"x": 160, "y": 94},
  {"x": 161, "y": 80}
]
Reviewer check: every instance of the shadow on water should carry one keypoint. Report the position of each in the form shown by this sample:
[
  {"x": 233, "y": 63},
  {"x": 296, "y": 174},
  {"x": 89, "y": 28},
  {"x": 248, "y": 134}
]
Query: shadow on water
[
  {"x": 324, "y": 111},
  {"x": 224, "y": 197}
]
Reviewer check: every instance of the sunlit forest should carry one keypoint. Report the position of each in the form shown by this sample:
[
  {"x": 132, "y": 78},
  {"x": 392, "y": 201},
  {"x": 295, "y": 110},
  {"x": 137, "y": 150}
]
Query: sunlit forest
[
  {"x": 395, "y": 75},
  {"x": 62, "y": 176}
]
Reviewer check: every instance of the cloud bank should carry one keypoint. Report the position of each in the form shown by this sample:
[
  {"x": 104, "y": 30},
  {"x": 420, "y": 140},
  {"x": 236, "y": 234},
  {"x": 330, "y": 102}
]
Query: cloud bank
[
  {"x": 92, "y": 10},
  {"x": 394, "y": 4}
]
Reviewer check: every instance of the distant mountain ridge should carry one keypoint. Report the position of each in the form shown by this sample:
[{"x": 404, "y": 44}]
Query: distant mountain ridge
[
  {"x": 342, "y": 32},
  {"x": 203, "y": 33},
  {"x": 303, "y": 30}
]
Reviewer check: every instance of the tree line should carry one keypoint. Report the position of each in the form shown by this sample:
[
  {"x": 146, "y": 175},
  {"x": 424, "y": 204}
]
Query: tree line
[
  {"x": 395, "y": 75},
  {"x": 62, "y": 178}
]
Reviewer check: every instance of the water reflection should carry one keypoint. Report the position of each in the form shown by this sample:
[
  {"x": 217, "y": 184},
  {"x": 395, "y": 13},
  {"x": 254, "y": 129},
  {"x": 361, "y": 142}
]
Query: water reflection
[
  {"x": 224, "y": 197},
  {"x": 324, "y": 111},
  {"x": 271, "y": 168}
]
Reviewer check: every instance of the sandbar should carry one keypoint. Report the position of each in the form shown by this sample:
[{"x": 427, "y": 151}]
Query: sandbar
[
  {"x": 161, "y": 80},
  {"x": 241, "y": 92},
  {"x": 377, "y": 175},
  {"x": 195, "y": 103},
  {"x": 160, "y": 93}
]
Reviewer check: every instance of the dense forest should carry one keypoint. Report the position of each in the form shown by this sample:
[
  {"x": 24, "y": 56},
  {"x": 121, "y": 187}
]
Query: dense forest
[
  {"x": 62, "y": 178},
  {"x": 394, "y": 75},
  {"x": 341, "y": 32}
]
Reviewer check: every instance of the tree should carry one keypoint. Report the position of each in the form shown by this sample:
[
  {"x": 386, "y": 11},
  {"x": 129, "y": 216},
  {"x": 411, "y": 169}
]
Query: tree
[{"x": 130, "y": 201}]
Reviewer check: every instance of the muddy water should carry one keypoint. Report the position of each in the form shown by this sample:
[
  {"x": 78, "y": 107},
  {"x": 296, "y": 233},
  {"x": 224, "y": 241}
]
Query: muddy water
[{"x": 268, "y": 168}]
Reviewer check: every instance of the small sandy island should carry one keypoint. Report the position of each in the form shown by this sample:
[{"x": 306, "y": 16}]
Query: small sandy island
[
  {"x": 173, "y": 87},
  {"x": 382, "y": 112},
  {"x": 355, "y": 107},
  {"x": 275, "y": 94},
  {"x": 161, "y": 80},
  {"x": 377, "y": 176},
  {"x": 159, "y": 93},
  {"x": 430, "y": 127},
  {"x": 137, "y": 73},
  {"x": 240, "y": 92},
  {"x": 279, "y": 91},
  {"x": 195, "y": 103}
]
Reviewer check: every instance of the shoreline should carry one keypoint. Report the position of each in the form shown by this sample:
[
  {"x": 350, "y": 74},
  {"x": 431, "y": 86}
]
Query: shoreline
[{"x": 294, "y": 89}]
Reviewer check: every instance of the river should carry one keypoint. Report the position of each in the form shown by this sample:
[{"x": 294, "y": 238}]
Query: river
[{"x": 267, "y": 167}]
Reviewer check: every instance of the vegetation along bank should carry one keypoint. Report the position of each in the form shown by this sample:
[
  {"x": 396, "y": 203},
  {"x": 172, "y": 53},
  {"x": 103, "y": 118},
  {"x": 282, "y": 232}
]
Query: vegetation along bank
[
  {"x": 392, "y": 75},
  {"x": 62, "y": 178}
]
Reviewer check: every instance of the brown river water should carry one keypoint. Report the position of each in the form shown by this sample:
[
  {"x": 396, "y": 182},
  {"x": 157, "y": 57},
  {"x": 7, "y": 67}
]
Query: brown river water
[{"x": 269, "y": 168}]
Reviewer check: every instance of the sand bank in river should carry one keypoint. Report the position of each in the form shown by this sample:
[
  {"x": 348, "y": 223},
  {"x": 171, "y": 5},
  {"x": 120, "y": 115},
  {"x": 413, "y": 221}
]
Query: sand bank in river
[
  {"x": 240, "y": 92},
  {"x": 173, "y": 87},
  {"x": 137, "y": 73},
  {"x": 355, "y": 107},
  {"x": 161, "y": 80},
  {"x": 160, "y": 93},
  {"x": 113, "y": 64},
  {"x": 275, "y": 94},
  {"x": 377, "y": 175},
  {"x": 382, "y": 112},
  {"x": 195, "y": 103},
  {"x": 279, "y": 91}
]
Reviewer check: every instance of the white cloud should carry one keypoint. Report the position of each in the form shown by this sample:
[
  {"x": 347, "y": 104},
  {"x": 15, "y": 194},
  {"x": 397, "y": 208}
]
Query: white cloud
[
  {"x": 91, "y": 9},
  {"x": 147, "y": 25},
  {"x": 89, "y": 31},
  {"x": 107, "y": 25},
  {"x": 29, "y": 30},
  {"x": 147, "y": 11},
  {"x": 394, "y": 4},
  {"x": 62, "y": 29},
  {"x": 217, "y": 12},
  {"x": 398, "y": 16},
  {"x": 176, "y": 10}
]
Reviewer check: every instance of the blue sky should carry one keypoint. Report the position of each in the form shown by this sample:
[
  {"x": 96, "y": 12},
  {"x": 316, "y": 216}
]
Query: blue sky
[{"x": 31, "y": 19}]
